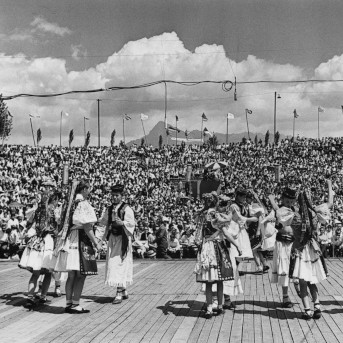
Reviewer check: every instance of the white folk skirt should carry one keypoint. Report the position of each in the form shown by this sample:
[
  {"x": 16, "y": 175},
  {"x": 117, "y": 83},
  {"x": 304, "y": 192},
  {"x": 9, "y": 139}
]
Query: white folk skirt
[
  {"x": 68, "y": 258},
  {"x": 281, "y": 262},
  {"x": 308, "y": 265},
  {"x": 243, "y": 242},
  {"x": 119, "y": 272},
  {"x": 233, "y": 287},
  {"x": 38, "y": 255}
]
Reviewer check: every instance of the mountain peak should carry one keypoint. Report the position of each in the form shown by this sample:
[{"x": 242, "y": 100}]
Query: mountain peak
[{"x": 194, "y": 136}]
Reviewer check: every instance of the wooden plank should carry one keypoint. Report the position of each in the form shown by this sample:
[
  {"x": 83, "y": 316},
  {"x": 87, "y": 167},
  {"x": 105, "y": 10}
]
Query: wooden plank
[
  {"x": 225, "y": 329},
  {"x": 274, "y": 320},
  {"x": 248, "y": 323},
  {"x": 258, "y": 331},
  {"x": 165, "y": 305},
  {"x": 267, "y": 333}
]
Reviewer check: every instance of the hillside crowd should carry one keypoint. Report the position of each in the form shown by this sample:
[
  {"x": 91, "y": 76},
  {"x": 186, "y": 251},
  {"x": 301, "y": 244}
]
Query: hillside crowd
[{"x": 154, "y": 180}]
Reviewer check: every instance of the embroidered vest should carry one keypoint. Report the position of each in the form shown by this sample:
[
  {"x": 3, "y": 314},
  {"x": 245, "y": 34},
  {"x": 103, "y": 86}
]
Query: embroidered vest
[
  {"x": 114, "y": 228},
  {"x": 118, "y": 230}
]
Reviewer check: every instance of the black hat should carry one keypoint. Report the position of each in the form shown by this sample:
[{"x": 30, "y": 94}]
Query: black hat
[
  {"x": 289, "y": 193},
  {"x": 117, "y": 188},
  {"x": 241, "y": 191}
]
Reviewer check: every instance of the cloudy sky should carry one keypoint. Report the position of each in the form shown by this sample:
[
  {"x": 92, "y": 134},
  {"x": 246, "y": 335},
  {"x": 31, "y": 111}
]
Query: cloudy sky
[{"x": 49, "y": 46}]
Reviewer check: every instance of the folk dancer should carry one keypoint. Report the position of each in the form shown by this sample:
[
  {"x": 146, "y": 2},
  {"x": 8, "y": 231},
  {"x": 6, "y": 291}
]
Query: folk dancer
[
  {"x": 309, "y": 267},
  {"x": 38, "y": 254},
  {"x": 77, "y": 256},
  {"x": 57, "y": 276},
  {"x": 214, "y": 264},
  {"x": 239, "y": 212},
  {"x": 120, "y": 224},
  {"x": 254, "y": 231},
  {"x": 284, "y": 242}
]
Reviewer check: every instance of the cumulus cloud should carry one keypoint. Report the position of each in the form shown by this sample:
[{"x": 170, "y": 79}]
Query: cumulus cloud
[
  {"x": 41, "y": 24},
  {"x": 17, "y": 36},
  {"x": 77, "y": 52},
  {"x": 166, "y": 57}
]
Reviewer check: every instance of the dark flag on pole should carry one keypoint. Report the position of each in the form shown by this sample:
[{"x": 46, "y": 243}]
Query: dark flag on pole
[
  {"x": 173, "y": 129},
  {"x": 39, "y": 136},
  {"x": 296, "y": 115},
  {"x": 71, "y": 137},
  {"x": 204, "y": 118},
  {"x": 176, "y": 118},
  {"x": 342, "y": 108},
  {"x": 206, "y": 132}
]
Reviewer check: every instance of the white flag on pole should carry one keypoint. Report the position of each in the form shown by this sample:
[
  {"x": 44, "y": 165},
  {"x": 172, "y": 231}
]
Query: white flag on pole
[
  {"x": 230, "y": 116},
  {"x": 67, "y": 114},
  {"x": 206, "y": 132},
  {"x": 144, "y": 116}
]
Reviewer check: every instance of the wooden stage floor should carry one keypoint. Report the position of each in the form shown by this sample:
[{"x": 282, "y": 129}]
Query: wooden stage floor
[{"x": 165, "y": 306}]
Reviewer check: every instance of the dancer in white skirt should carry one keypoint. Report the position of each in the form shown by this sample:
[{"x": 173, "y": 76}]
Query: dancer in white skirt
[
  {"x": 233, "y": 287},
  {"x": 38, "y": 254},
  {"x": 78, "y": 256},
  {"x": 240, "y": 214},
  {"x": 254, "y": 229},
  {"x": 308, "y": 266},
  {"x": 284, "y": 242},
  {"x": 214, "y": 264},
  {"x": 120, "y": 223}
]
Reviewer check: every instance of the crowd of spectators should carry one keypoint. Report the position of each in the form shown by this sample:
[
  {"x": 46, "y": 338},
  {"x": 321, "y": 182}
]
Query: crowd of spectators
[{"x": 155, "y": 186}]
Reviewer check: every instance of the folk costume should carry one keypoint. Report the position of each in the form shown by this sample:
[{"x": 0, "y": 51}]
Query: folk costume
[
  {"x": 268, "y": 232},
  {"x": 233, "y": 287},
  {"x": 283, "y": 246},
  {"x": 283, "y": 243},
  {"x": 38, "y": 254},
  {"x": 119, "y": 260},
  {"x": 239, "y": 215},
  {"x": 213, "y": 261},
  {"x": 214, "y": 264},
  {"x": 77, "y": 252},
  {"x": 307, "y": 265}
]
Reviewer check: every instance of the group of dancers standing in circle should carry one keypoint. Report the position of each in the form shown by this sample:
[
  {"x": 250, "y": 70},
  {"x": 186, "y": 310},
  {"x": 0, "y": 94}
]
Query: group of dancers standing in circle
[
  {"x": 64, "y": 242},
  {"x": 288, "y": 228}
]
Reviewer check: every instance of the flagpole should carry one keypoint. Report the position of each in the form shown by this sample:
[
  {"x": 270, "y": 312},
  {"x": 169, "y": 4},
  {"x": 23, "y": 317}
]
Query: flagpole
[
  {"x": 124, "y": 128},
  {"x": 293, "y": 125},
  {"x": 176, "y": 129},
  {"x": 144, "y": 132},
  {"x": 33, "y": 135},
  {"x": 202, "y": 121},
  {"x": 165, "y": 104},
  {"x": 61, "y": 130},
  {"x": 318, "y": 124},
  {"x": 98, "y": 100},
  {"x": 227, "y": 130},
  {"x": 246, "y": 115},
  {"x": 84, "y": 129},
  {"x": 165, "y": 109}
]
